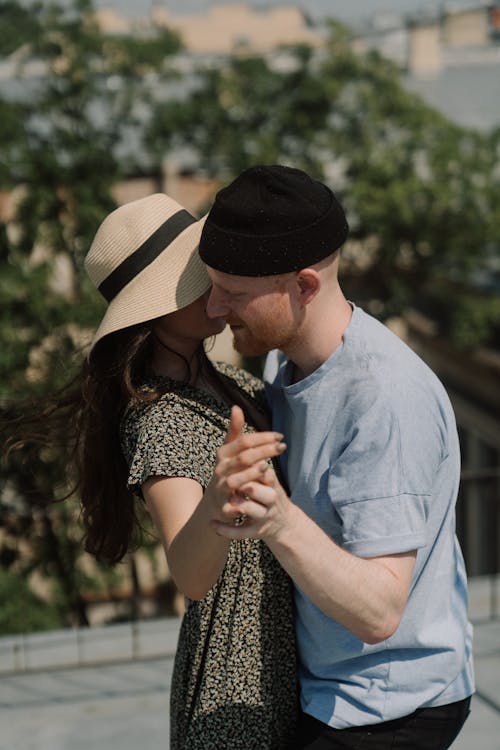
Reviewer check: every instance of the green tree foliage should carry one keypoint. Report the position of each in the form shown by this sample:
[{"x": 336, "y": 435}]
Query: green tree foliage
[
  {"x": 18, "y": 25},
  {"x": 62, "y": 139},
  {"x": 22, "y": 611},
  {"x": 78, "y": 95},
  {"x": 12, "y": 141},
  {"x": 422, "y": 193}
]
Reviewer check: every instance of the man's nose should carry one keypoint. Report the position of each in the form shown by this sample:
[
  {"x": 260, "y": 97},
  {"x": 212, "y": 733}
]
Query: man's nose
[{"x": 216, "y": 307}]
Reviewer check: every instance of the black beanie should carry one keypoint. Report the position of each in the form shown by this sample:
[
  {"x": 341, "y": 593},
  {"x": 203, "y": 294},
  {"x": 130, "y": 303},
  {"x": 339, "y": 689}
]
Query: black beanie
[{"x": 272, "y": 220}]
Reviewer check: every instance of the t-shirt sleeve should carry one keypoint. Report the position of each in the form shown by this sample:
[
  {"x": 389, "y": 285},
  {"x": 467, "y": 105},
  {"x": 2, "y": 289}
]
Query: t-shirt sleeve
[
  {"x": 165, "y": 439},
  {"x": 381, "y": 483}
]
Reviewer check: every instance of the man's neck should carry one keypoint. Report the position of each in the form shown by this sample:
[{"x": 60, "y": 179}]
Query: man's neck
[{"x": 317, "y": 341}]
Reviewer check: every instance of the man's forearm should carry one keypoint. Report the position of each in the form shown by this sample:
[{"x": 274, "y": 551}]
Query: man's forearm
[
  {"x": 367, "y": 596},
  {"x": 362, "y": 594}
]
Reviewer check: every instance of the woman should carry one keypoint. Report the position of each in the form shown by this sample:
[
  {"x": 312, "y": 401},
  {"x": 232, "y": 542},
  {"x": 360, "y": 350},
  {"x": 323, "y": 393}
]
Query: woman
[{"x": 150, "y": 414}]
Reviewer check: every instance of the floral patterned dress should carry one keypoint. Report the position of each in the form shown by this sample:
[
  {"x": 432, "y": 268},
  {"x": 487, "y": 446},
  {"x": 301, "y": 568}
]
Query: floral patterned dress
[{"x": 234, "y": 683}]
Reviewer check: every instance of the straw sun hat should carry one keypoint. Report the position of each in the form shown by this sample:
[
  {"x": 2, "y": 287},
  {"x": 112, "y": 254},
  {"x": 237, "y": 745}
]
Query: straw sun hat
[{"x": 144, "y": 261}]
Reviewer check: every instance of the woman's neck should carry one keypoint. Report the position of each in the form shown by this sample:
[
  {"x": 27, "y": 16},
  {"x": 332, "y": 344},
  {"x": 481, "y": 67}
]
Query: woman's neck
[
  {"x": 203, "y": 377},
  {"x": 180, "y": 365}
]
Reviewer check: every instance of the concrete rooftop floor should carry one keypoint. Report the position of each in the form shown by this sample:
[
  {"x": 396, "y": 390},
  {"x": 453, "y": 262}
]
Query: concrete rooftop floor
[{"x": 123, "y": 705}]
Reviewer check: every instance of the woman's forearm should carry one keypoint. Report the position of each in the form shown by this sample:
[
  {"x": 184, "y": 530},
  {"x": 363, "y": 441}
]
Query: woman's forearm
[
  {"x": 197, "y": 555},
  {"x": 181, "y": 512}
]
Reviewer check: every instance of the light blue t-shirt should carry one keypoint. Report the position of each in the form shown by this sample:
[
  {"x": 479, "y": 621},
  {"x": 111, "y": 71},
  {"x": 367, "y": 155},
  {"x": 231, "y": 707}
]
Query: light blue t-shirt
[{"x": 373, "y": 458}]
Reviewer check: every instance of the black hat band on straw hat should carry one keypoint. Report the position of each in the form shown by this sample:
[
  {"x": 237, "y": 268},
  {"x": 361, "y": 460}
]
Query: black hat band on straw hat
[{"x": 145, "y": 254}]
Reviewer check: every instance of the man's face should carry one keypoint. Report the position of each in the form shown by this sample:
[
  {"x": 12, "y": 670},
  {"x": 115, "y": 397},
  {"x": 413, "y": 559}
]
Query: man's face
[{"x": 258, "y": 310}]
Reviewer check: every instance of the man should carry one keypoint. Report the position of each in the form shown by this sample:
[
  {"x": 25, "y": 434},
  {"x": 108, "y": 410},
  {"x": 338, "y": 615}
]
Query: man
[{"x": 373, "y": 469}]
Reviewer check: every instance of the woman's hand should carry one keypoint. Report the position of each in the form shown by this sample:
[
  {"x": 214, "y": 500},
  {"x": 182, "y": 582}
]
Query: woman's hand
[{"x": 250, "y": 499}]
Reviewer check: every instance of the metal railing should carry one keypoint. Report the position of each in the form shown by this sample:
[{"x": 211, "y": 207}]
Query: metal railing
[{"x": 478, "y": 529}]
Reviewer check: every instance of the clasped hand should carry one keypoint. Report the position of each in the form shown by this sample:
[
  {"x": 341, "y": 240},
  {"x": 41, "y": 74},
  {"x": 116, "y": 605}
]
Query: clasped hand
[{"x": 252, "y": 502}]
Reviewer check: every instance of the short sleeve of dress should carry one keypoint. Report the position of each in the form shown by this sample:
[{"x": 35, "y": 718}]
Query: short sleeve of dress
[{"x": 172, "y": 437}]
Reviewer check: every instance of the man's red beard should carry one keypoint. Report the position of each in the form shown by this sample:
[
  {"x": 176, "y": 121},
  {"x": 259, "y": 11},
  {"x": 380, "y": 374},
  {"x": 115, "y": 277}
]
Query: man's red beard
[{"x": 251, "y": 344}]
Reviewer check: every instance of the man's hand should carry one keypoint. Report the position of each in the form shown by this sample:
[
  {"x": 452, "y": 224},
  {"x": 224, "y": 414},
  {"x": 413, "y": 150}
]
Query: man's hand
[{"x": 264, "y": 506}]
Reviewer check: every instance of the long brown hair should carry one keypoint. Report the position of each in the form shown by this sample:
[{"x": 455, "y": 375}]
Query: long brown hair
[
  {"x": 110, "y": 378},
  {"x": 82, "y": 421}
]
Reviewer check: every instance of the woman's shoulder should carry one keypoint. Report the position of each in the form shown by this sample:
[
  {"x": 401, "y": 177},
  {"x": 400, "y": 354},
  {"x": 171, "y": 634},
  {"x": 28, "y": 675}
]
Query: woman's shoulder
[
  {"x": 244, "y": 379},
  {"x": 169, "y": 404},
  {"x": 180, "y": 422}
]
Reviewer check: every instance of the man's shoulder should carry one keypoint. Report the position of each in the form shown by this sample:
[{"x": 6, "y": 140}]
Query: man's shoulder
[{"x": 385, "y": 353}]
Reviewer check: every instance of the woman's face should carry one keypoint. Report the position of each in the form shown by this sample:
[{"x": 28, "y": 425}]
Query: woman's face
[{"x": 190, "y": 323}]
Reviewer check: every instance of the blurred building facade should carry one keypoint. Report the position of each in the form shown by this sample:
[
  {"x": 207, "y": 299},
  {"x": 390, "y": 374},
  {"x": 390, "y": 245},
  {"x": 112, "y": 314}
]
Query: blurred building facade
[
  {"x": 444, "y": 51},
  {"x": 430, "y": 41},
  {"x": 222, "y": 29}
]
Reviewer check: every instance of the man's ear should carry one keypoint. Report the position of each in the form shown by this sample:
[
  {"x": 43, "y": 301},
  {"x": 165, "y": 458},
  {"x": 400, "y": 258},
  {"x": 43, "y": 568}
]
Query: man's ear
[{"x": 308, "y": 283}]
